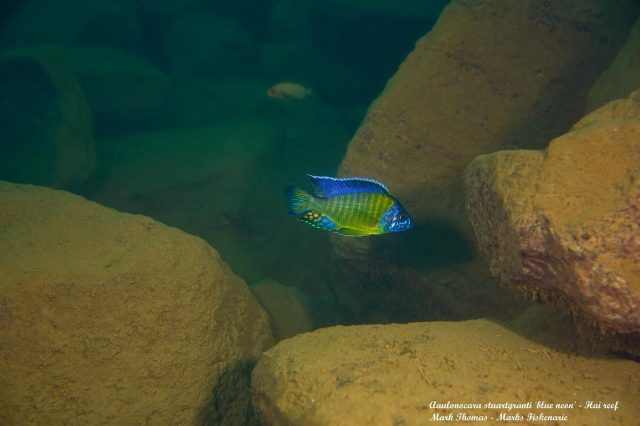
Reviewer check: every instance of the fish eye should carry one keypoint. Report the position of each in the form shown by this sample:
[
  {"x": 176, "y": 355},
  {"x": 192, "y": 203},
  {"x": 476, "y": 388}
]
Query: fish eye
[{"x": 402, "y": 216}]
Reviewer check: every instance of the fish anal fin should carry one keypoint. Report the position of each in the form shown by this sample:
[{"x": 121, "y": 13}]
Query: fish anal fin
[{"x": 318, "y": 220}]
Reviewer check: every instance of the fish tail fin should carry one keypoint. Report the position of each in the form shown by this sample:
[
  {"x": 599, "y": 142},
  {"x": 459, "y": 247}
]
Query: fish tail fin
[{"x": 298, "y": 201}]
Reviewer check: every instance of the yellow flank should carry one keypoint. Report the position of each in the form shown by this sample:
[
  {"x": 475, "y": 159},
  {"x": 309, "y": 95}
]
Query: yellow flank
[{"x": 360, "y": 212}]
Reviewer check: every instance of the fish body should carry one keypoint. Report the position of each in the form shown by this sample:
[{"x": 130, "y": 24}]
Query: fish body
[
  {"x": 288, "y": 89},
  {"x": 348, "y": 206}
]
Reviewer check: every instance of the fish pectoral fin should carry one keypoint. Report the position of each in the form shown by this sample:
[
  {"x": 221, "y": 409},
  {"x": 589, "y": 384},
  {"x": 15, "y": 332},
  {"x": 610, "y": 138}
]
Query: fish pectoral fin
[{"x": 352, "y": 232}]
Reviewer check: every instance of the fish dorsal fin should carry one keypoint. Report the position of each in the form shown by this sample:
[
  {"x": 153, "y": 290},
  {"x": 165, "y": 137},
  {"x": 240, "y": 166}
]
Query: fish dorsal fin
[{"x": 328, "y": 187}]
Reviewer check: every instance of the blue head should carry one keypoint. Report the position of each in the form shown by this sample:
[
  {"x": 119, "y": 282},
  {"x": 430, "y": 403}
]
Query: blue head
[{"x": 396, "y": 219}]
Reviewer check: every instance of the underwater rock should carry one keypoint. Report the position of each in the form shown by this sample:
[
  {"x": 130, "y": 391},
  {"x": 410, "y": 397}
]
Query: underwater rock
[
  {"x": 224, "y": 156},
  {"x": 96, "y": 22},
  {"x": 46, "y": 133},
  {"x": 390, "y": 374},
  {"x": 474, "y": 85},
  {"x": 204, "y": 180},
  {"x": 288, "y": 308},
  {"x": 623, "y": 75},
  {"x": 111, "y": 318},
  {"x": 126, "y": 93},
  {"x": 206, "y": 45},
  {"x": 563, "y": 226}
]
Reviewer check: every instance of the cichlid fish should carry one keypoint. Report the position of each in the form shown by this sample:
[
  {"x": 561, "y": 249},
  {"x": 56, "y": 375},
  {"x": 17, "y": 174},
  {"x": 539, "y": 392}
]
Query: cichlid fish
[
  {"x": 348, "y": 206},
  {"x": 288, "y": 89}
]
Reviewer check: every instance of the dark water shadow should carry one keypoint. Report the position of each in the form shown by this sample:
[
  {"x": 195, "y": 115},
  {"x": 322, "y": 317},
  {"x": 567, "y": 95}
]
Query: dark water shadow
[
  {"x": 429, "y": 245},
  {"x": 229, "y": 403}
]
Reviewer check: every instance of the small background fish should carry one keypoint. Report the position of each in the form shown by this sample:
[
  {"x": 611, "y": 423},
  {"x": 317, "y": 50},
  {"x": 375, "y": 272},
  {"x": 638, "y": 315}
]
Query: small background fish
[
  {"x": 288, "y": 89},
  {"x": 348, "y": 206}
]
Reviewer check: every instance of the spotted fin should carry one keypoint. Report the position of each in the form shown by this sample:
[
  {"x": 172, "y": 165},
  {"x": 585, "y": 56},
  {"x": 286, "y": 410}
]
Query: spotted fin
[
  {"x": 298, "y": 201},
  {"x": 318, "y": 220},
  {"x": 325, "y": 186}
]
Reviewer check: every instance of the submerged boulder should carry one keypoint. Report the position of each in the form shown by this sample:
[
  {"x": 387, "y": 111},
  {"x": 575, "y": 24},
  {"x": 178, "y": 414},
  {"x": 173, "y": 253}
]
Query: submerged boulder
[
  {"x": 46, "y": 131},
  {"x": 563, "y": 226},
  {"x": 392, "y": 374},
  {"x": 472, "y": 85},
  {"x": 111, "y": 318}
]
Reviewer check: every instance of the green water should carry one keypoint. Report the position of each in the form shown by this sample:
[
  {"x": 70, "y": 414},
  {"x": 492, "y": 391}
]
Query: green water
[{"x": 170, "y": 118}]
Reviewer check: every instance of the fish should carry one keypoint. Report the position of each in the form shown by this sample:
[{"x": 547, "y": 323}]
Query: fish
[
  {"x": 288, "y": 89},
  {"x": 348, "y": 206}
]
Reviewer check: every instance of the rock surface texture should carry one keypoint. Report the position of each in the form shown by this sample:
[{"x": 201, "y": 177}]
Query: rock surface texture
[
  {"x": 110, "y": 318},
  {"x": 390, "y": 374},
  {"x": 563, "y": 226}
]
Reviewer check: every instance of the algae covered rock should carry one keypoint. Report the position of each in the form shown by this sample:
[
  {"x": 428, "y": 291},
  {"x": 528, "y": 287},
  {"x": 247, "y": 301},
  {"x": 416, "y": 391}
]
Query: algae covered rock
[
  {"x": 393, "y": 374},
  {"x": 46, "y": 131},
  {"x": 111, "y": 318},
  {"x": 563, "y": 226}
]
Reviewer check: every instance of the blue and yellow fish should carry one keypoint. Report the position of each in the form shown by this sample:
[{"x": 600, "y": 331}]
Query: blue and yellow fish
[{"x": 348, "y": 206}]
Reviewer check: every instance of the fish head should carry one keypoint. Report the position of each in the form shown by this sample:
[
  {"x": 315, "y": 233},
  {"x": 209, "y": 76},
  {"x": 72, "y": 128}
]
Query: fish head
[
  {"x": 275, "y": 92},
  {"x": 396, "y": 219}
]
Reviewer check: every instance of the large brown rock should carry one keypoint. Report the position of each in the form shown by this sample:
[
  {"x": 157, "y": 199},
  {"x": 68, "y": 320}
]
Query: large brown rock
[
  {"x": 490, "y": 74},
  {"x": 472, "y": 85},
  {"x": 111, "y": 318},
  {"x": 563, "y": 226},
  {"x": 391, "y": 374}
]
